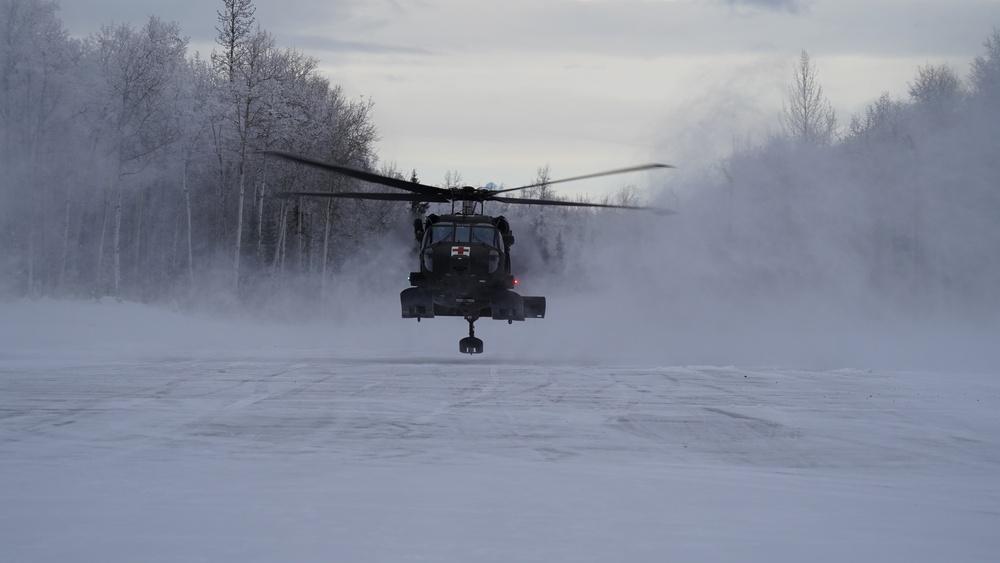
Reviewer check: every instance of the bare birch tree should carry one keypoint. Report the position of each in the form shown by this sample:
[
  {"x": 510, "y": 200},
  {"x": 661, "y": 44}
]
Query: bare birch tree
[
  {"x": 236, "y": 23},
  {"x": 937, "y": 90},
  {"x": 807, "y": 117}
]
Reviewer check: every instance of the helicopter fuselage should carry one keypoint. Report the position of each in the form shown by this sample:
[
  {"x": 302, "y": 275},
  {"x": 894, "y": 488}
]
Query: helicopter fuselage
[{"x": 465, "y": 272}]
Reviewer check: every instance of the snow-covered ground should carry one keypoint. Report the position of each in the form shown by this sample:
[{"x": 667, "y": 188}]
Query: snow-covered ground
[{"x": 134, "y": 434}]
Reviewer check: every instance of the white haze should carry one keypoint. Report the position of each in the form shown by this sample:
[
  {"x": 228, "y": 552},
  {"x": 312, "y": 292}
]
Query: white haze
[
  {"x": 813, "y": 257},
  {"x": 876, "y": 250},
  {"x": 760, "y": 273}
]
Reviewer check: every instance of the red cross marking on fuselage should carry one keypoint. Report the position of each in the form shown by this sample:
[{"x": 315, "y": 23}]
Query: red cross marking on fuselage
[{"x": 460, "y": 250}]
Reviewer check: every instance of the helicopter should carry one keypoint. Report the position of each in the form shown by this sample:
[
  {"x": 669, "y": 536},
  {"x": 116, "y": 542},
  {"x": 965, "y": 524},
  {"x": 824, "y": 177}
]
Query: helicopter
[{"x": 464, "y": 255}]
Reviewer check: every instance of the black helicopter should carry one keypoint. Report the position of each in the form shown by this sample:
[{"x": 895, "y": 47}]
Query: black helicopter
[{"x": 465, "y": 268}]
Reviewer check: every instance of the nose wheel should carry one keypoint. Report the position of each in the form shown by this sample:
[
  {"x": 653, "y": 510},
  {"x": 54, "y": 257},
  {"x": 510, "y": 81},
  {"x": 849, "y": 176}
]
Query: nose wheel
[{"x": 471, "y": 344}]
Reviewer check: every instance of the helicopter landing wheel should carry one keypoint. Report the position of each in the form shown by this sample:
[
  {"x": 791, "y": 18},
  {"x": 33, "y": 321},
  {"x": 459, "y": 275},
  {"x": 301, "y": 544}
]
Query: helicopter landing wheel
[{"x": 471, "y": 344}]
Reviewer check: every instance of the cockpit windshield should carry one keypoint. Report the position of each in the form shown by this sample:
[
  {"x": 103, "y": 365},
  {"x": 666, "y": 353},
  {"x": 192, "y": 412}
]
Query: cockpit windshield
[
  {"x": 485, "y": 234},
  {"x": 480, "y": 234},
  {"x": 442, "y": 233}
]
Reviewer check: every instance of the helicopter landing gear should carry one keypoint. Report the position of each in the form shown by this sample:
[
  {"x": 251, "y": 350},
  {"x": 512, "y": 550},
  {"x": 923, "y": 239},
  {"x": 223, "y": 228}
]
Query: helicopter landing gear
[{"x": 471, "y": 344}]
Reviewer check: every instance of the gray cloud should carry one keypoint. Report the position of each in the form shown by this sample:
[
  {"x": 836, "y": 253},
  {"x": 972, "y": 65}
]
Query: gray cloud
[
  {"x": 790, "y": 6},
  {"x": 329, "y": 44},
  {"x": 631, "y": 28}
]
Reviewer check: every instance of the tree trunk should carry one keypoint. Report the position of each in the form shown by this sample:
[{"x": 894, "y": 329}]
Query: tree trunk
[
  {"x": 100, "y": 247},
  {"x": 117, "y": 237},
  {"x": 260, "y": 215},
  {"x": 64, "y": 259},
  {"x": 33, "y": 215},
  {"x": 187, "y": 206},
  {"x": 300, "y": 238},
  {"x": 223, "y": 222},
  {"x": 326, "y": 246},
  {"x": 138, "y": 283},
  {"x": 279, "y": 250},
  {"x": 239, "y": 228}
]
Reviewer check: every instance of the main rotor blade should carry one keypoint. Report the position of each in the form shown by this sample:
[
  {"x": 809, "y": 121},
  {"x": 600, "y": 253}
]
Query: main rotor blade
[
  {"x": 430, "y": 192},
  {"x": 526, "y": 201},
  {"x": 586, "y": 176},
  {"x": 365, "y": 195}
]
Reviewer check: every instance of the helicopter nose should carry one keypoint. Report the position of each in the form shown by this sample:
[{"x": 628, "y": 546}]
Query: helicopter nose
[
  {"x": 459, "y": 263},
  {"x": 460, "y": 258}
]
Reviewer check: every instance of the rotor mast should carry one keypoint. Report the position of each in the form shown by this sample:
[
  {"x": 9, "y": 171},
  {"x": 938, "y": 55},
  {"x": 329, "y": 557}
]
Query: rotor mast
[{"x": 471, "y": 198}]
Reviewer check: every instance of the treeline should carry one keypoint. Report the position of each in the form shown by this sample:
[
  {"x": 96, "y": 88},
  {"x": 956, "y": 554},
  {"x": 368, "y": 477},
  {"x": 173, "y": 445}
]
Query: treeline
[{"x": 131, "y": 168}]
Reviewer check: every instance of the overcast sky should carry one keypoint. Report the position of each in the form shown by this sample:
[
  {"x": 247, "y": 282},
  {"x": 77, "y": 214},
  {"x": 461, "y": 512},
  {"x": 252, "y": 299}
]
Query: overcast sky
[{"x": 496, "y": 89}]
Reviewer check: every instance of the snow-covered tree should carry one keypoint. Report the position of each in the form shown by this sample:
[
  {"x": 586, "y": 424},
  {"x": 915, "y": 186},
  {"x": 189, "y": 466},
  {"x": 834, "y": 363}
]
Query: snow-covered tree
[
  {"x": 882, "y": 122},
  {"x": 133, "y": 103},
  {"x": 236, "y": 24},
  {"x": 36, "y": 59},
  {"x": 985, "y": 75},
  {"x": 937, "y": 90}
]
